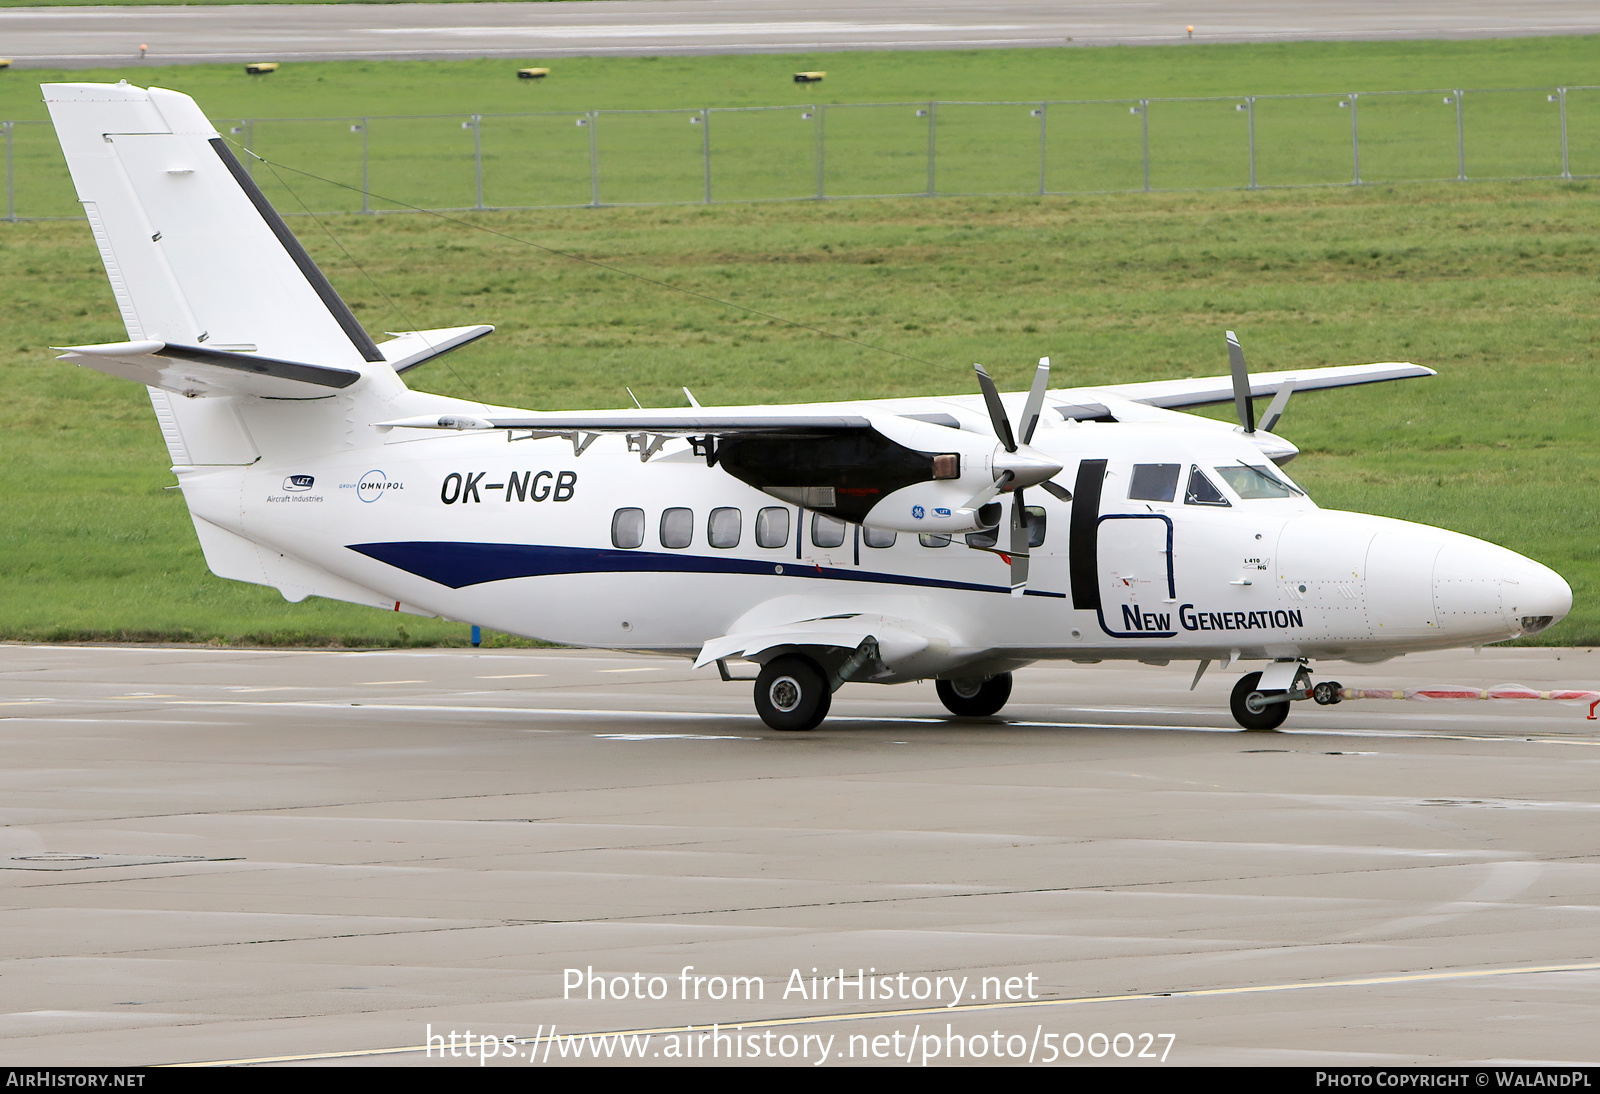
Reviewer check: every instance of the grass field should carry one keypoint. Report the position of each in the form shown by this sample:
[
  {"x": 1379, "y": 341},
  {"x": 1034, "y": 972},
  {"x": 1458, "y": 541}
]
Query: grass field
[
  {"x": 877, "y": 129},
  {"x": 1492, "y": 284}
]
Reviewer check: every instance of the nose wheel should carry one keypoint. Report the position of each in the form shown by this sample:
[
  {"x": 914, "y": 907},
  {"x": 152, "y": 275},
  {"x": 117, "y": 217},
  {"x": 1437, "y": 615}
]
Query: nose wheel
[{"x": 1257, "y": 708}]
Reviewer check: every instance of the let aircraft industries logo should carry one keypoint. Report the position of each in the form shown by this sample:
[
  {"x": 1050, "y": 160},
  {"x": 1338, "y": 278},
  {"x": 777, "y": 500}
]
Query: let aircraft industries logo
[{"x": 296, "y": 488}]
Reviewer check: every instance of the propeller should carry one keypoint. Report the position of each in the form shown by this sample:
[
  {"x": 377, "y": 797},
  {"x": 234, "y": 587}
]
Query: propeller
[
  {"x": 1241, "y": 385},
  {"x": 1241, "y": 392},
  {"x": 1017, "y": 468}
]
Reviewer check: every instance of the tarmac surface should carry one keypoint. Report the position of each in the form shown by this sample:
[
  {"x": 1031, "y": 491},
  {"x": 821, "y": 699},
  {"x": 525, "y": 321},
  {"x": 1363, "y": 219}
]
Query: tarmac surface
[
  {"x": 250, "y": 855},
  {"x": 95, "y": 37}
]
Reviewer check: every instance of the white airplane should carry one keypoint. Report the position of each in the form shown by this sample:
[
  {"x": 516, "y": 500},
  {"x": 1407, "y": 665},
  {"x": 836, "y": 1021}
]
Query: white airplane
[{"x": 880, "y": 541}]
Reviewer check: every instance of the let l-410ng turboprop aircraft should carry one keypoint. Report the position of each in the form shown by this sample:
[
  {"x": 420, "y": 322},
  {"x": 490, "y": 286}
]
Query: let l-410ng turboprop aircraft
[{"x": 880, "y": 541}]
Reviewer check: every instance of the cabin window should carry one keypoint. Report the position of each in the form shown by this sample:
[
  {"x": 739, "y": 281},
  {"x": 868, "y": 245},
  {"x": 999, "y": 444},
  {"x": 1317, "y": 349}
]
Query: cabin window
[
  {"x": 677, "y": 527},
  {"x": 1201, "y": 490},
  {"x": 1154, "y": 481},
  {"x": 722, "y": 530},
  {"x": 934, "y": 539},
  {"x": 877, "y": 537},
  {"x": 627, "y": 528},
  {"x": 1254, "y": 482},
  {"x": 772, "y": 527},
  {"x": 826, "y": 531}
]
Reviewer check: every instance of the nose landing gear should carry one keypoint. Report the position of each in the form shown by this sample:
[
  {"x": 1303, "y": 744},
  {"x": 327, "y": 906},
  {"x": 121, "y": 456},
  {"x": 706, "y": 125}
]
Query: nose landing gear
[{"x": 1258, "y": 707}]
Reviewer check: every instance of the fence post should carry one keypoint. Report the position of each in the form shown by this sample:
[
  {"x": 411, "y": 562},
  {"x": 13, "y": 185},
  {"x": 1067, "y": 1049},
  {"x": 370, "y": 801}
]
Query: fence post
[
  {"x": 821, "y": 145},
  {"x": 1461, "y": 139},
  {"x": 1043, "y": 107},
  {"x": 1144, "y": 121},
  {"x": 11, "y": 190},
  {"x": 931, "y": 149},
  {"x": 1566, "y": 164},
  {"x": 1250, "y": 119},
  {"x": 366, "y": 206},
  {"x": 477, "y": 156},
  {"x": 594, "y": 158},
  {"x": 705, "y": 148},
  {"x": 1355, "y": 143}
]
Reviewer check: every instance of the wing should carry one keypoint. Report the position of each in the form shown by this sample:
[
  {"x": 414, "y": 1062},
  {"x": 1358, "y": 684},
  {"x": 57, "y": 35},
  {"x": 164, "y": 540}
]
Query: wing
[
  {"x": 1210, "y": 390},
  {"x": 691, "y": 422}
]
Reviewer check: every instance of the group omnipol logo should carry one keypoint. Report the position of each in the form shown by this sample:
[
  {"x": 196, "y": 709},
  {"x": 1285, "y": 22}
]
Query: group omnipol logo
[{"x": 374, "y": 484}]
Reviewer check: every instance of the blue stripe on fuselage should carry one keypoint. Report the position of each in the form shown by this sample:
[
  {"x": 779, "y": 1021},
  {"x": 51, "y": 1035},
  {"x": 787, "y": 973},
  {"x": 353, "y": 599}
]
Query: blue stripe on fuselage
[{"x": 458, "y": 565}]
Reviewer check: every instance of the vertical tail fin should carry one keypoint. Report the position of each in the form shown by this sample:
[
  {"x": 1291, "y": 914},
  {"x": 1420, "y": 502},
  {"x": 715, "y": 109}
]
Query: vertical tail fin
[{"x": 195, "y": 253}]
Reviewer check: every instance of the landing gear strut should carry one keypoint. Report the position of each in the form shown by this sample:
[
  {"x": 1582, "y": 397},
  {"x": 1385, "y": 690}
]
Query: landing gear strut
[{"x": 974, "y": 697}]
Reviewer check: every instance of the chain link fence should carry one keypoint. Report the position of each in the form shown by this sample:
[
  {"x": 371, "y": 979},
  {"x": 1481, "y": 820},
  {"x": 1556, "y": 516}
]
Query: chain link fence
[{"x": 787, "y": 153}]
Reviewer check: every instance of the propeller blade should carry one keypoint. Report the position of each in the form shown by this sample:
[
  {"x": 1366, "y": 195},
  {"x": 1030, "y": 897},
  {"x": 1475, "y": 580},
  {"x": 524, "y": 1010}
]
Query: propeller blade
[
  {"x": 1057, "y": 491},
  {"x": 1241, "y": 385},
  {"x": 1275, "y": 409},
  {"x": 1035, "y": 403},
  {"x": 997, "y": 411},
  {"x": 987, "y": 494},
  {"x": 1019, "y": 545}
]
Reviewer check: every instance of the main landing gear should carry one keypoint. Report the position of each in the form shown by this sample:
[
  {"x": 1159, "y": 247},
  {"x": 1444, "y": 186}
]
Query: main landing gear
[
  {"x": 975, "y": 697},
  {"x": 792, "y": 692},
  {"x": 1256, "y": 706}
]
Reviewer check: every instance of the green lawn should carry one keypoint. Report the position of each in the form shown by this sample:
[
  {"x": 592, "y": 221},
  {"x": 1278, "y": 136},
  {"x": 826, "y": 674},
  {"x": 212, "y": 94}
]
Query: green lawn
[
  {"x": 882, "y": 118},
  {"x": 1493, "y": 285}
]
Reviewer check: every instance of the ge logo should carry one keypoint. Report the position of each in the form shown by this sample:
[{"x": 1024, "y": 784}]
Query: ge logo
[{"x": 918, "y": 512}]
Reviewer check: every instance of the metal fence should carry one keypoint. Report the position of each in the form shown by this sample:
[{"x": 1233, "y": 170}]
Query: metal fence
[{"x": 785, "y": 153}]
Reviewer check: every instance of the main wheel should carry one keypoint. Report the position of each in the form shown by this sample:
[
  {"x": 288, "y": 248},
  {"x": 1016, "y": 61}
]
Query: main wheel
[
  {"x": 1253, "y": 715},
  {"x": 974, "y": 697},
  {"x": 792, "y": 693}
]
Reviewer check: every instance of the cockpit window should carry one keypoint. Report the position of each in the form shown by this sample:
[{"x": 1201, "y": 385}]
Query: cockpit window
[
  {"x": 1154, "y": 481},
  {"x": 1201, "y": 490},
  {"x": 1255, "y": 482}
]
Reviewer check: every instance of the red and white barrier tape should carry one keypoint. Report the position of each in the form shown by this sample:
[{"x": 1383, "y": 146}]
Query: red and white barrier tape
[{"x": 1451, "y": 693}]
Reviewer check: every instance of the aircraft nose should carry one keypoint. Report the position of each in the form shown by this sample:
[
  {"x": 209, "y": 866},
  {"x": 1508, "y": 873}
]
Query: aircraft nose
[
  {"x": 1535, "y": 596},
  {"x": 1473, "y": 579}
]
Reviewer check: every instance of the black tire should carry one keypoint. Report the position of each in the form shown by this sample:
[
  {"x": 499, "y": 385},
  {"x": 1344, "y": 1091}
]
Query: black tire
[
  {"x": 1270, "y": 716},
  {"x": 974, "y": 698},
  {"x": 792, "y": 693}
]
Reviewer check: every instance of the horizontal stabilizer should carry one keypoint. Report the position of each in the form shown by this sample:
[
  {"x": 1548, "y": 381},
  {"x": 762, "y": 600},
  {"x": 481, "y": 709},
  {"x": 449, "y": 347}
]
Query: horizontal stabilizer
[
  {"x": 409, "y": 349},
  {"x": 198, "y": 370}
]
